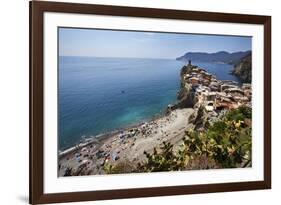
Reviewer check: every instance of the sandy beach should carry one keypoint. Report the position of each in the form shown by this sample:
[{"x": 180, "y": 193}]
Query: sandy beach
[{"x": 126, "y": 145}]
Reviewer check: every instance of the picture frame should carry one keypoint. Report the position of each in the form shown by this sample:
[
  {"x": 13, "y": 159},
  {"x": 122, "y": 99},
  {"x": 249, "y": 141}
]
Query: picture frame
[{"x": 37, "y": 194}]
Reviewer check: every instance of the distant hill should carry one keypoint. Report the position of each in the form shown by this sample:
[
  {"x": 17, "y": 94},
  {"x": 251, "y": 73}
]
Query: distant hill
[
  {"x": 221, "y": 56},
  {"x": 243, "y": 69}
]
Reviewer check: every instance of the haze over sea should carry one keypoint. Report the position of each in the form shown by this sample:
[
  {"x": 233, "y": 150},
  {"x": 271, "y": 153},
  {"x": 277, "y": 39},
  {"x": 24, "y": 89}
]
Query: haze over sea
[{"x": 97, "y": 95}]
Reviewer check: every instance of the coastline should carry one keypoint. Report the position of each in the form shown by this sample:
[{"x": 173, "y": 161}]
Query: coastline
[
  {"x": 202, "y": 99},
  {"x": 103, "y": 136},
  {"x": 128, "y": 146}
]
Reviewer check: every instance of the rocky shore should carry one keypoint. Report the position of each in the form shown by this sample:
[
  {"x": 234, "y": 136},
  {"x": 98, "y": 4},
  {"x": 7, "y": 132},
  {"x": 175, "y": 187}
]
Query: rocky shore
[{"x": 201, "y": 99}]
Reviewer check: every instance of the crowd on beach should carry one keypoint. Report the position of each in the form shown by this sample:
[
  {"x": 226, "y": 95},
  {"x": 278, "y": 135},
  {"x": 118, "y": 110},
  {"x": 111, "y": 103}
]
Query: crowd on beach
[{"x": 91, "y": 157}]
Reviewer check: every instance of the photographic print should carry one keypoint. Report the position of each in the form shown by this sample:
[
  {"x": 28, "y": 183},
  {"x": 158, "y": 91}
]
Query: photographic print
[
  {"x": 130, "y": 102},
  {"x": 139, "y": 102}
]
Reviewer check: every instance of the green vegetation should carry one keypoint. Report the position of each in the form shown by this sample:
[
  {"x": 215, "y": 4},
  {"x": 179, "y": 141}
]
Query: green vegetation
[
  {"x": 227, "y": 143},
  {"x": 121, "y": 167},
  {"x": 165, "y": 160}
]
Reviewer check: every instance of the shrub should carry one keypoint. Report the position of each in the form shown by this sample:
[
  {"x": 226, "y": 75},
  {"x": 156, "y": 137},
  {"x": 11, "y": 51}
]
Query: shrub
[
  {"x": 226, "y": 143},
  {"x": 163, "y": 160},
  {"x": 124, "y": 166}
]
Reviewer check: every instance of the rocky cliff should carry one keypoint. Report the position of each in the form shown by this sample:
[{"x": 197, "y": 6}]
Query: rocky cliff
[
  {"x": 187, "y": 99},
  {"x": 185, "y": 95},
  {"x": 244, "y": 69}
]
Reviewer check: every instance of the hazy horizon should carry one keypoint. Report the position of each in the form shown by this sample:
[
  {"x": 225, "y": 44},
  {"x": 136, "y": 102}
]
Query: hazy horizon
[{"x": 141, "y": 44}]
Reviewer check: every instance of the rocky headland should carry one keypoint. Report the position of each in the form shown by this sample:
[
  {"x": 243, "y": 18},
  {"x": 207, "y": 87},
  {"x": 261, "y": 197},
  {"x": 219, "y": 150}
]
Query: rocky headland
[
  {"x": 208, "y": 96},
  {"x": 241, "y": 61},
  {"x": 243, "y": 69}
]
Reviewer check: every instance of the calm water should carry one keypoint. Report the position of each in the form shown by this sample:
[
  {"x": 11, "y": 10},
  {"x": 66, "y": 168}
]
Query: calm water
[
  {"x": 218, "y": 69},
  {"x": 97, "y": 95}
]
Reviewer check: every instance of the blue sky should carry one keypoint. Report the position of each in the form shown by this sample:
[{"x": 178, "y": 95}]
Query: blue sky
[{"x": 107, "y": 43}]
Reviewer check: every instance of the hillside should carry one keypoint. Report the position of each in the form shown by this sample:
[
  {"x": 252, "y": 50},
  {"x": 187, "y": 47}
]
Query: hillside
[
  {"x": 221, "y": 56},
  {"x": 244, "y": 69}
]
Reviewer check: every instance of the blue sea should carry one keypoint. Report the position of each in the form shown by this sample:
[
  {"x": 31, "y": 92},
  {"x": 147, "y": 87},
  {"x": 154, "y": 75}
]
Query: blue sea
[{"x": 97, "y": 95}]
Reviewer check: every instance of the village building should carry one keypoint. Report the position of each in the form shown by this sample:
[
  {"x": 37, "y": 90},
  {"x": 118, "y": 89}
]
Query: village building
[
  {"x": 216, "y": 95},
  {"x": 194, "y": 80}
]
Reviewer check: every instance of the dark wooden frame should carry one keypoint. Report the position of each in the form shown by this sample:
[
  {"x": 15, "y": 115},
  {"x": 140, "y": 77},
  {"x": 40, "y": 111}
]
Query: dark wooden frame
[{"x": 37, "y": 8}]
